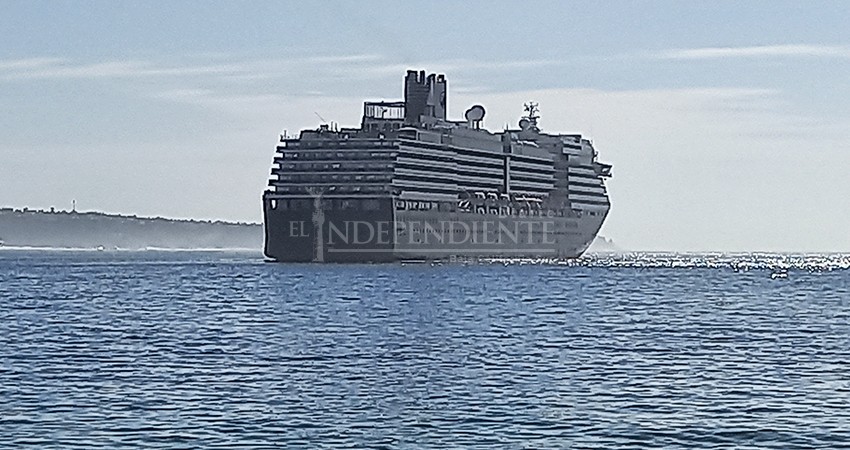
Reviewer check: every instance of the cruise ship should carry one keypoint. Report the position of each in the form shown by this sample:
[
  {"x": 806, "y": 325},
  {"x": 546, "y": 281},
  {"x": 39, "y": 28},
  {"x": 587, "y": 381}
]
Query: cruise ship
[{"x": 411, "y": 184}]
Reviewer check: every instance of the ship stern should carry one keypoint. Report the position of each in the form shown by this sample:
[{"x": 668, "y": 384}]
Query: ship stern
[{"x": 328, "y": 229}]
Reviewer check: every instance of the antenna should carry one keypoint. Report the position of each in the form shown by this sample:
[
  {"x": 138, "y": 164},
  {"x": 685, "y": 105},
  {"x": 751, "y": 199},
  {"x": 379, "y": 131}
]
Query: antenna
[
  {"x": 532, "y": 110},
  {"x": 320, "y": 117}
]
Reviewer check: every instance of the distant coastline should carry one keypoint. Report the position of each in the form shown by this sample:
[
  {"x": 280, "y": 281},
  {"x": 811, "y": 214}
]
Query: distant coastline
[
  {"x": 4, "y": 210},
  {"x": 62, "y": 229}
]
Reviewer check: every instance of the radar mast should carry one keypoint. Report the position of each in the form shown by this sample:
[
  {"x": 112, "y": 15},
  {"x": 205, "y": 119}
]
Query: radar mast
[{"x": 532, "y": 114}]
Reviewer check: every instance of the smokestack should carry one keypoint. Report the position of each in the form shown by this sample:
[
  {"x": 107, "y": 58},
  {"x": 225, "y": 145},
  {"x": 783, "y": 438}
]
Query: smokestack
[{"x": 415, "y": 97}]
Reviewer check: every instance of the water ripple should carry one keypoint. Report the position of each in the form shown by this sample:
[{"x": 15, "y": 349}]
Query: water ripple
[{"x": 177, "y": 350}]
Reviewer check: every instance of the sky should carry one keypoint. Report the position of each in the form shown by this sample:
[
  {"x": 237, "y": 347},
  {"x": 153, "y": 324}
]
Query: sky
[{"x": 727, "y": 122}]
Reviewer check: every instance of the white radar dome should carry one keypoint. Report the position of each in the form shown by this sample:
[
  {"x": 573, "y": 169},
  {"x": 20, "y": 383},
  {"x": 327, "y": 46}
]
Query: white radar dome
[{"x": 475, "y": 113}]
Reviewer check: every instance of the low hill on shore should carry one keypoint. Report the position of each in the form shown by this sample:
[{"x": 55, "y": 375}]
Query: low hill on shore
[{"x": 71, "y": 229}]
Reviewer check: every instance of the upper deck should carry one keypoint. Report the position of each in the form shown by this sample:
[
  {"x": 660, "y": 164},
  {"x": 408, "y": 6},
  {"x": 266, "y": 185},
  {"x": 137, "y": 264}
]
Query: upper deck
[{"x": 410, "y": 149}]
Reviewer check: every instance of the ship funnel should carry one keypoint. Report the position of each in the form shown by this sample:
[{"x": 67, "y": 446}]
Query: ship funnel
[{"x": 424, "y": 96}]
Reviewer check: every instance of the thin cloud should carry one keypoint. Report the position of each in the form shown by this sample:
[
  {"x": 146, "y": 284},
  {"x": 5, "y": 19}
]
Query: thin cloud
[
  {"x": 183, "y": 94},
  {"x": 356, "y": 66},
  {"x": 761, "y": 51},
  {"x": 47, "y": 68},
  {"x": 335, "y": 59},
  {"x": 208, "y": 97},
  {"x": 28, "y": 63},
  {"x": 456, "y": 65},
  {"x": 56, "y": 68}
]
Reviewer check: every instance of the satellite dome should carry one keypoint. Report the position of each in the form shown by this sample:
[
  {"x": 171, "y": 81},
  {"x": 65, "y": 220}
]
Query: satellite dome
[{"x": 475, "y": 113}]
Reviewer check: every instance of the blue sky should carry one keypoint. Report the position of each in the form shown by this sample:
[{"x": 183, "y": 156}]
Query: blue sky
[{"x": 728, "y": 123}]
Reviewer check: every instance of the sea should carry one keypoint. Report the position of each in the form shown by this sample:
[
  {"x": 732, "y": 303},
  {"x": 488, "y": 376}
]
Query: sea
[{"x": 211, "y": 349}]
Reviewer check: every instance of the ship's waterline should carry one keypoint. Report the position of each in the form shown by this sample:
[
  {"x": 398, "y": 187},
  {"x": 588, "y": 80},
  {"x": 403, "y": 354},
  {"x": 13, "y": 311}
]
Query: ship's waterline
[
  {"x": 300, "y": 235},
  {"x": 411, "y": 184}
]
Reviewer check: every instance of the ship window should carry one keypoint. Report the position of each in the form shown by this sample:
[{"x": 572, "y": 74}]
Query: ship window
[
  {"x": 344, "y": 204},
  {"x": 408, "y": 134},
  {"x": 273, "y": 204}
]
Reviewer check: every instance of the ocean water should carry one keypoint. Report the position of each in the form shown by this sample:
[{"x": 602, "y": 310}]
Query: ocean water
[{"x": 222, "y": 350}]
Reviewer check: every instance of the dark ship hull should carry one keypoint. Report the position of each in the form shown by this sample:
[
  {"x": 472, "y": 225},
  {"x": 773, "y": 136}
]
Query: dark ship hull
[
  {"x": 303, "y": 230},
  {"x": 306, "y": 230}
]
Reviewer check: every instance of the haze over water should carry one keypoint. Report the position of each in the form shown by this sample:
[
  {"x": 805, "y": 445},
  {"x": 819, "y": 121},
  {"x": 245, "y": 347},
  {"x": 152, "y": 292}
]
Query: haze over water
[{"x": 208, "y": 349}]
